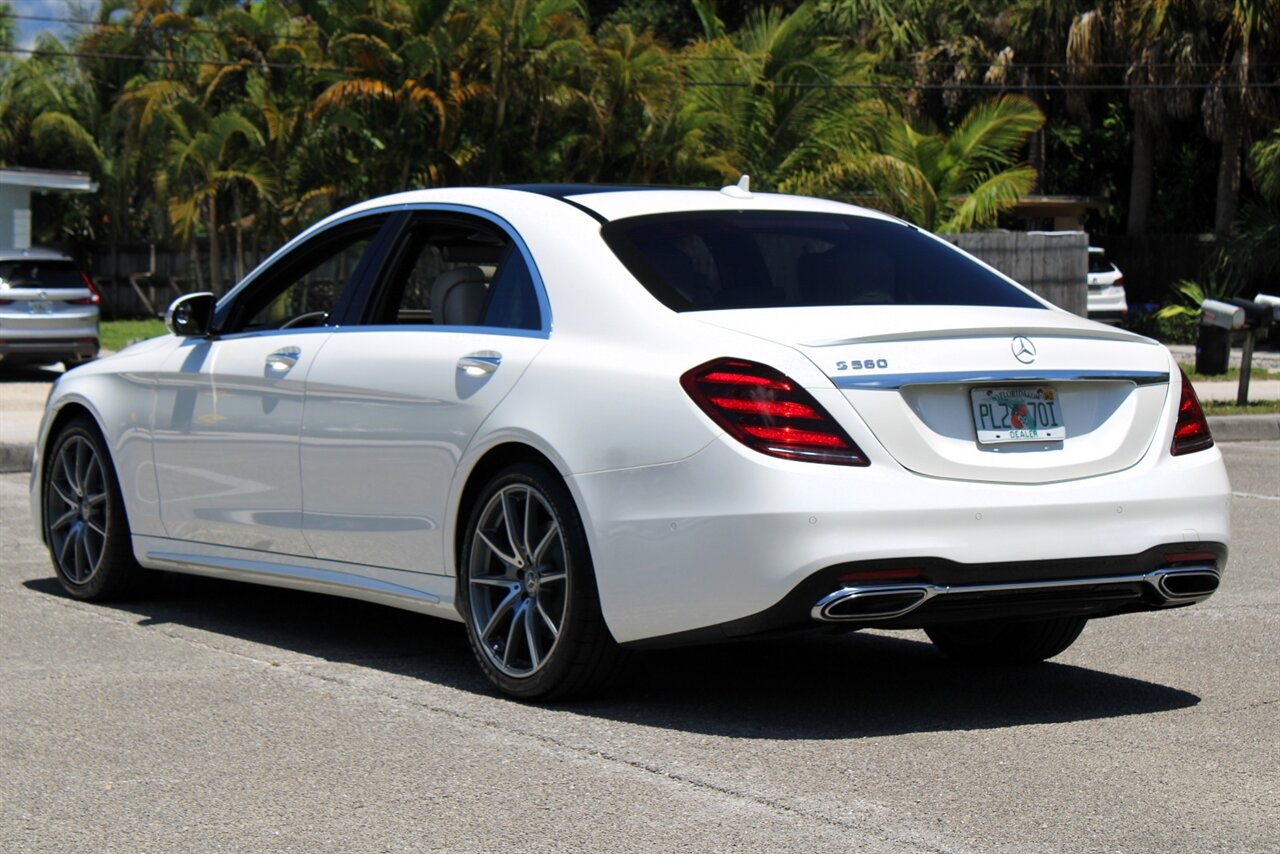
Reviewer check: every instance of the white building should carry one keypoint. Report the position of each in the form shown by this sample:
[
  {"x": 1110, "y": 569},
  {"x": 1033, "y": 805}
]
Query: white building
[{"x": 16, "y": 187}]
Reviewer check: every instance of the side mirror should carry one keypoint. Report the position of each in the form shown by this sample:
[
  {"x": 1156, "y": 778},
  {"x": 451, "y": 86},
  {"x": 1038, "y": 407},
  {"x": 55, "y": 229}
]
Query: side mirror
[{"x": 191, "y": 316}]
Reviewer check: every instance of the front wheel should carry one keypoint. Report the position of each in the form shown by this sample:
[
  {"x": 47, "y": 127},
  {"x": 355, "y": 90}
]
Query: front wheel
[
  {"x": 527, "y": 589},
  {"x": 84, "y": 518},
  {"x": 1006, "y": 642}
]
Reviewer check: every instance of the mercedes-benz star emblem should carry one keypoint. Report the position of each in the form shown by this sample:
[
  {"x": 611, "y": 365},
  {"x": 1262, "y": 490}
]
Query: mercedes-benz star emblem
[{"x": 1023, "y": 350}]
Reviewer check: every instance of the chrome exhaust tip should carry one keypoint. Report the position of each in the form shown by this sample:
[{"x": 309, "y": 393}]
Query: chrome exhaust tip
[
  {"x": 870, "y": 603},
  {"x": 1183, "y": 584}
]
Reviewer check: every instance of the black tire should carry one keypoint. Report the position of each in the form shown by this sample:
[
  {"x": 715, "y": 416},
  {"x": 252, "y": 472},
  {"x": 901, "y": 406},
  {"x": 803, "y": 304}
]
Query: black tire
[
  {"x": 527, "y": 591},
  {"x": 1020, "y": 642},
  {"x": 84, "y": 518}
]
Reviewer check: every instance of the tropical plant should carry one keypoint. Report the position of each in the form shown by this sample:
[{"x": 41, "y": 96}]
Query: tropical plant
[{"x": 943, "y": 182}]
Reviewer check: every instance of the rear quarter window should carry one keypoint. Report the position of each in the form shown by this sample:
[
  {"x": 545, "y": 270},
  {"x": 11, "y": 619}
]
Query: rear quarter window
[{"x": 760, "y": 259}]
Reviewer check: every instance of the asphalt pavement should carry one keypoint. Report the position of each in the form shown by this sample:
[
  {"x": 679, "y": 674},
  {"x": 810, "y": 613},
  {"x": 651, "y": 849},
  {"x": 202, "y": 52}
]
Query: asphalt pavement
[{"x": 215, "y": 716}]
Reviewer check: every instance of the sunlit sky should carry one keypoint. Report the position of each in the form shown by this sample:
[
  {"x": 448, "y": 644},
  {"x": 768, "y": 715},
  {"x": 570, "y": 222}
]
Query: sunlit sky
[{"x": 62, "y": 9}]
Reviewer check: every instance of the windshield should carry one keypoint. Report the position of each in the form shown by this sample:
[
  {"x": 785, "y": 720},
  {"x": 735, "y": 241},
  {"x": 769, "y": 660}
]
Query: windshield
[{"x": 767, "y": 259}]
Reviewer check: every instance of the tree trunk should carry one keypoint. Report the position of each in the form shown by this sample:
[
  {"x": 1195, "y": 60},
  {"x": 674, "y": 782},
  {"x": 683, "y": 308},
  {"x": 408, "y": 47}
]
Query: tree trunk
[
  {"x": 1228, "y": 174},
  {"x": 1142, "y": 180}
]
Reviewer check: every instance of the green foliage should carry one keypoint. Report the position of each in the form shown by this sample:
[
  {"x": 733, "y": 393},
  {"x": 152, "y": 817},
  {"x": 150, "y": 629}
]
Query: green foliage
[{"x": 220, "y": 124}]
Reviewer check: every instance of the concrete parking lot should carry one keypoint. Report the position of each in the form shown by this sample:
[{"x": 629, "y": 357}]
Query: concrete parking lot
[{"x": 217, "y": 717}]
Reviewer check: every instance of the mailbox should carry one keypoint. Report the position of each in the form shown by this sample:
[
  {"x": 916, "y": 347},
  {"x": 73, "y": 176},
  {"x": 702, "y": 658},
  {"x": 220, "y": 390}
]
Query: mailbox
[
  {"x": 1223, "y": 315},
  {"x": 1256, "y": 314},
  {"x": 1272, "y": 301}
]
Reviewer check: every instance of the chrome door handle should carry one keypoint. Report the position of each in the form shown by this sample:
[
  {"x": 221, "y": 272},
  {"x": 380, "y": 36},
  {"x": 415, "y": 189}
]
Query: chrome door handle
[
  {"x": 480, "y": 364},
  {"x": 282, "y": 360}
]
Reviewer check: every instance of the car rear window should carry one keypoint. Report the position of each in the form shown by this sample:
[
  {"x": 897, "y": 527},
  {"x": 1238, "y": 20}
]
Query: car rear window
[
  {"x": 34, "y": 273},
  {"x": 760, "y": 259},
  {"x": 1098, "y": 263}
]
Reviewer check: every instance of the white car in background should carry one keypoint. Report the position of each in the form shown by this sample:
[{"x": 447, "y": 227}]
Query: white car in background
[
  {"x": 584, "y": 418},
  {"x": 1106, "y": 301},
  {"x": 48, "y": 309}
]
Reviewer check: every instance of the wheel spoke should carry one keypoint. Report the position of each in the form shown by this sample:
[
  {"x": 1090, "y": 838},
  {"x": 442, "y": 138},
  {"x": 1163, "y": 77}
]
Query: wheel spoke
[
  {"x": 492, "y": 580},
  {"x": 83, "y": 453},
  {"x": 535, "y": 654},
  {"x": 546, "y": 618},
  {"x": 64, "y": 520},
  {"x": 68, "y": 544},
  {"x": 540, "y": 553},
  {"x": 81, "y": 556},
  {"x": 509, "y": 524},
  {"x": 95, "y": 527},
  {"x": 512, "y": 633},
  {"x": 552, "y": 577},
  {"x": 499, "y": 553},
  {"x": 504, "y": 607},
  {"x": 61, "y": 493}
]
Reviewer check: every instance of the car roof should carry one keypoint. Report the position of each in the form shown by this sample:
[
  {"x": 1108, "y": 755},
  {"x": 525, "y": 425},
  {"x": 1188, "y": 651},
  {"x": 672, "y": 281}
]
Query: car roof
[{"x": 33, "y": 254}]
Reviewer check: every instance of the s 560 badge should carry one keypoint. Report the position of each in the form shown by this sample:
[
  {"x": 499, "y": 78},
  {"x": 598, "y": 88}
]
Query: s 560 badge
[{"x": 862, "y": 365}]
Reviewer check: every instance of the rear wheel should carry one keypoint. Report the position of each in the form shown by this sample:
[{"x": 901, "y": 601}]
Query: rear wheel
[
  {"x": 527, "y": 589},
  {"x": 1021, "y": 642},
  {"x": 84, "y": 518}
]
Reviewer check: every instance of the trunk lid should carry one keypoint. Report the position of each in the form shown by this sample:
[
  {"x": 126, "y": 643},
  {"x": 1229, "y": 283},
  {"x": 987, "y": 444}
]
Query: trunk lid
[{"x": 954, "y": 392}]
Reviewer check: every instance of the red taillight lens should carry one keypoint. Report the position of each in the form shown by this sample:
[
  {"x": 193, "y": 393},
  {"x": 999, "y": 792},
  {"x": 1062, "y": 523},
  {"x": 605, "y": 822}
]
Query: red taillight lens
[
  {"x": 765, "y": 410},
  {"x": 94, "y": 297},
  {"x": 1191, "y": 433}
]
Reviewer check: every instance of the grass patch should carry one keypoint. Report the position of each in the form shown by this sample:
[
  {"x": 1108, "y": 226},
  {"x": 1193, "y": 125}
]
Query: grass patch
[
  {"x": 118, "y": 334},
  {"x": 1231, "y": 376},
  {"x": 1254, "y": 407}
]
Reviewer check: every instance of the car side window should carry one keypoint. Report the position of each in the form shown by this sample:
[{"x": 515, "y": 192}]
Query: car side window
[
  {"x": 303, "y": 288},
  {"x": 455, "y": 270}
]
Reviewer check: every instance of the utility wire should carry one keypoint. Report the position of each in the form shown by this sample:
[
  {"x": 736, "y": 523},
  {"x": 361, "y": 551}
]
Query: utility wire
[
  {"x": 870, "y": 63},
  {"x": 721, "y": 84}
]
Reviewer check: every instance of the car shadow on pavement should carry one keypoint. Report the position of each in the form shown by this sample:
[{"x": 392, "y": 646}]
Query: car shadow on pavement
[
  {"x": 803, "y": 687},
  {"x": 29, "y": 373}
]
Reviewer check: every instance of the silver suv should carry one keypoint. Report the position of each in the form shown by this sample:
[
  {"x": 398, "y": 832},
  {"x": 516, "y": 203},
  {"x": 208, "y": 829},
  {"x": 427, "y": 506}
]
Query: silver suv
[{"x": 48, "y": 308}]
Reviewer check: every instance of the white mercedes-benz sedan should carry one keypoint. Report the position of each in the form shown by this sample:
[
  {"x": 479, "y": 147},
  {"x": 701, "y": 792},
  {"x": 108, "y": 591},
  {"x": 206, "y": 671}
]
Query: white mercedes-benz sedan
[{"x": 580, "y": 419}]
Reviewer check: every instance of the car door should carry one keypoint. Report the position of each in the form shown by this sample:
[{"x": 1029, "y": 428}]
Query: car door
[
  {"x": 229, "y": 407},
  {"x": 393, "y": 400}
]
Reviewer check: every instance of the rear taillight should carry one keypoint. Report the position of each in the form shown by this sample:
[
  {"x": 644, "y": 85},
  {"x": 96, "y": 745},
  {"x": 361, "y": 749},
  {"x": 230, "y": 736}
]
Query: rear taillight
[
  {"x": 1118, "y": 283},
  {"x": 767, "y": 411},
  {"x": 1191, "y": 433},
  {"x": 94, "y": 297}
]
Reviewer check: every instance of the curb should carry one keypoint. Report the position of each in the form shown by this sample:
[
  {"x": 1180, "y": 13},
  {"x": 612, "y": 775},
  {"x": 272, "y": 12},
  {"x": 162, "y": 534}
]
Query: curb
[
  {"x": 1225, "y": 428},
  {"x": 16, "y": 458},
  {"x": 1245, "y": 428}
]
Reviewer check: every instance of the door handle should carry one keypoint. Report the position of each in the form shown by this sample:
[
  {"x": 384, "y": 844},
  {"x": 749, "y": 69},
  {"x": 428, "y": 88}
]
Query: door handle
[
  {"x": 480, "y": 364},
  {"x": 282, "y": 360}
]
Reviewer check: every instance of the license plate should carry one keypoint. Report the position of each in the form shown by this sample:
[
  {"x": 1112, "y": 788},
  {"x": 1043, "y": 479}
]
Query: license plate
[
  {"x": 1017, "y": 414},
  {"x": 39, "y": 307}
]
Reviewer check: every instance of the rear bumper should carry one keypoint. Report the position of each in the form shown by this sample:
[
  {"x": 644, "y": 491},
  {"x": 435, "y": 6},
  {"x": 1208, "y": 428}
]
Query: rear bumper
[
  {"x": 728, "y": 535},
  {"x": 845, "y": 598},
  {"x": 51, "y": 350}
]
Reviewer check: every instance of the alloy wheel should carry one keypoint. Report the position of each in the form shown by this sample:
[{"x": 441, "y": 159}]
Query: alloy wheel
[
  {"x": 518, "y": 580},
  {"x": 76, "y": 509}
]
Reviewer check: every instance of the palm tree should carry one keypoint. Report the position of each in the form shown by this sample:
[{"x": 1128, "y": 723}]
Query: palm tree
[
  {"x": 1251, "y": 32},
  {"x": 765, "y": 92},
  {"x": 203, "y": 162},
  {"x": 531, "y": 53},
  {"x": 942, "y": 182}
]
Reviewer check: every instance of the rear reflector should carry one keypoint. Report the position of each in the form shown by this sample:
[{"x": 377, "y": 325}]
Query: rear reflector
[
  {"x": 1191, "y": 433},
  {"x": 765, "y": 410}
]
